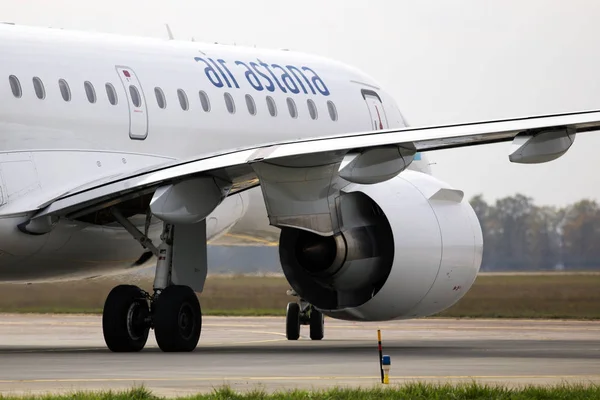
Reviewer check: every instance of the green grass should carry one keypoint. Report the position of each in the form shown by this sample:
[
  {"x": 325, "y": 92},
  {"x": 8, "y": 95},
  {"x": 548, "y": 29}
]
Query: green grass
[
  {"x": 569, "y": 296},
  {"x": 419, "y": 391}
]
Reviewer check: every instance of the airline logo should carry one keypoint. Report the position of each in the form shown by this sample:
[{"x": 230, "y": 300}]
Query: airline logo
[{"x": 263, "y": 76}]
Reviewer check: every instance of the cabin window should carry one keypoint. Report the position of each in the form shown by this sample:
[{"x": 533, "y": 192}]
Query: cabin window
[
  {"x": 312, "y": 109},
  {"x": 251, "y": 105},
  {"x": 229, "y": 103},
  {"x": 204, "y": 101},
  {"x": 38, "y": 86},
  {"x": 183, "y": 100},
  {"x": 15, "y": 86},
  {"x": 90, "y": 92},
  {"x": 136, "y": 99},
  {"x": 112, "y": 94},
  {"x": 332, "y": 111},
  {"x": 65, "y": 91},
  {"x": 271, "y": 106},
  {"x": 160, "y": 98},
  {"x": 292, "y": 107}
]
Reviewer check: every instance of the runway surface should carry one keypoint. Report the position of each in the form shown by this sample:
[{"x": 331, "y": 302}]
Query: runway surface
[{"x": 46, "y": 353}]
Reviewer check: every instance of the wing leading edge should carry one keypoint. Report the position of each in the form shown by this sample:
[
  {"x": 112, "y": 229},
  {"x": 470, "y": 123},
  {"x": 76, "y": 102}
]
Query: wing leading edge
[{"x": 535, "y": 139}]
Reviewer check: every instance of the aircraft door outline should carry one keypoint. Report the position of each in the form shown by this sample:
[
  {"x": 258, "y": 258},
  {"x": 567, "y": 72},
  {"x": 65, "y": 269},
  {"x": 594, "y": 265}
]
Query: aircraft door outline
[
  {"x": 376, "y": 110},
  {"x": 136, "y": 101}
]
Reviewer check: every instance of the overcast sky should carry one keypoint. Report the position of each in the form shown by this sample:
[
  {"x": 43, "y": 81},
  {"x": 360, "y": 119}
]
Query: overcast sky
[{"x": 444, "y": 61}]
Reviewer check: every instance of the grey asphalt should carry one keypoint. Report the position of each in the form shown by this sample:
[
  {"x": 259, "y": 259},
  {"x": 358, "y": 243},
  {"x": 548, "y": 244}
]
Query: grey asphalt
[{"x": 57, "y": 353}]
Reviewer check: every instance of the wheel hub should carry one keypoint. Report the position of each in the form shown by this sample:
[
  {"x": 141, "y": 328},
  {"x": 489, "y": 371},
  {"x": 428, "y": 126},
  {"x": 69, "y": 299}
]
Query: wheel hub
[
  {"x": 186, "y": 321},
  {"x": 136, "y": 320}
]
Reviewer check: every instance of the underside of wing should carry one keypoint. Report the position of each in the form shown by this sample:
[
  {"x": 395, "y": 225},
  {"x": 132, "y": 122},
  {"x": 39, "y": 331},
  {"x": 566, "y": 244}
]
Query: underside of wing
[{"x": 363, "y": 158}]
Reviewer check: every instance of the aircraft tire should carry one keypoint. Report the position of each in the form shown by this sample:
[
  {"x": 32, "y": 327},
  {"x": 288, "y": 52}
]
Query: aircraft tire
[
  {"x": 317, "y": 325},
  {"x": 292, "y": 321},
  {"x": 177, "y": 319},
  {"x": 125, "y": 319}
]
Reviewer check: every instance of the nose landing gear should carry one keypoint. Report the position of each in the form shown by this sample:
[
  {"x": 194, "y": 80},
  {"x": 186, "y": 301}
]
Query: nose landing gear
[{"x": 303, "y": 313}]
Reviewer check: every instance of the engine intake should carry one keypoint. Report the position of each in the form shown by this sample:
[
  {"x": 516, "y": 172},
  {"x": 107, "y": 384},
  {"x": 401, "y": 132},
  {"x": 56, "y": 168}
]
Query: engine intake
[
  {"x": 347, "y": 268},
  {"x": 408, "y": 247}
]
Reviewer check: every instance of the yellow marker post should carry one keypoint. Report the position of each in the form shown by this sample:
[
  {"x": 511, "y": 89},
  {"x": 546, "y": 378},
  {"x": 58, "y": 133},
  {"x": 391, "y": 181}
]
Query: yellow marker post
[{"x": 380, "y": 354}]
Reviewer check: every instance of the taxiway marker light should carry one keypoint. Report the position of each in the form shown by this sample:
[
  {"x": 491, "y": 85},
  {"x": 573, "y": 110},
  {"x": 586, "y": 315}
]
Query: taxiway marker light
[{"x": 387, "y": 364}]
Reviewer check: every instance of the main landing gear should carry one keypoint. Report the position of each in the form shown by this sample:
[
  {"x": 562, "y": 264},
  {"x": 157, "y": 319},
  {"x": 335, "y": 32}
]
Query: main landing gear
[
  {"x": 173, "y": 311},
  {"x": 303, "y": 313},
  {"x": 129, "y": 313}
]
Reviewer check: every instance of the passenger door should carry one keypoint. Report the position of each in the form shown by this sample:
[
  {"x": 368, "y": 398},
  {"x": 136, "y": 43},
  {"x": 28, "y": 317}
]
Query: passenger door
[
  {"x": 376, "y": 110},
  {"x": 138, "y": 111}
]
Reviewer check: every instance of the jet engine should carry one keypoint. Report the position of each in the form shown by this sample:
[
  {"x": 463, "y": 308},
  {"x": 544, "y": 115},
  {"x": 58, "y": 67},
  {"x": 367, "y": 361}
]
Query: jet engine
[{"x": 407, "y": 247}]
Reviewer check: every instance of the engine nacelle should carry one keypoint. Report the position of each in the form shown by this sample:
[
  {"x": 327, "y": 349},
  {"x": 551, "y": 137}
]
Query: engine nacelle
[{"x": 408, "y": 247}]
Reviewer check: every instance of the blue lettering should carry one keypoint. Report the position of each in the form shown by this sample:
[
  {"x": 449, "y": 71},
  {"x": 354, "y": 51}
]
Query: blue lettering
[
  {"x": 293, "y": 79},
  {"x": 294, "y": 89},
  {"x": 264, "y": 64},
  {"x": 295, "y": 71},
  {"x": 270, "y": 87},
  {"x": 221, "y": 71},
  {"x": 222, "y": 62},
  {"x": 316, "y": 80},
  {"x": 211, "y": 74},
  {"x": 251, "y": 77}
]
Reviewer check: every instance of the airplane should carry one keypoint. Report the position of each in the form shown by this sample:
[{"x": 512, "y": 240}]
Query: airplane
[{"x": 110, "y": 140}]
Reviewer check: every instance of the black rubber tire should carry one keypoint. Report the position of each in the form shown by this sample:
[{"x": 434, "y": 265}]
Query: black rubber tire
[
  {"x": 125, "y": 319},
  {"x": 292, "y": 321},
  {"x": 317, "y": 325},
  {"x": 177, "y": 319}
]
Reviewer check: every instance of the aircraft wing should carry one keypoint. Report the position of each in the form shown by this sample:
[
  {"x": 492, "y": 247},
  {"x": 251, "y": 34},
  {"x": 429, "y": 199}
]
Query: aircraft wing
[{"x": 536, "y": 139}]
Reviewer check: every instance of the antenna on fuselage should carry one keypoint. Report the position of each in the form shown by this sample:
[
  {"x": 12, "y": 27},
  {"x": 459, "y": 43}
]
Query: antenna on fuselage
[{"x": 171, "y": 37}]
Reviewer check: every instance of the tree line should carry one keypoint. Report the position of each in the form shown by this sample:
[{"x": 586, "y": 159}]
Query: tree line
[{"x": 518, "y": 235}]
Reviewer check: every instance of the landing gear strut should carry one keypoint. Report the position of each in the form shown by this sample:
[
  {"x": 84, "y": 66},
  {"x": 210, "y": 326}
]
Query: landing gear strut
[
  {"x": 303, "y": 313},
  {"x": 173, "y": 311}
]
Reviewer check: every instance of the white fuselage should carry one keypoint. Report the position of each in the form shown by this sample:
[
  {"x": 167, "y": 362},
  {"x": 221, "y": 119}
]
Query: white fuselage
[{"x": 53, "y": 138}]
